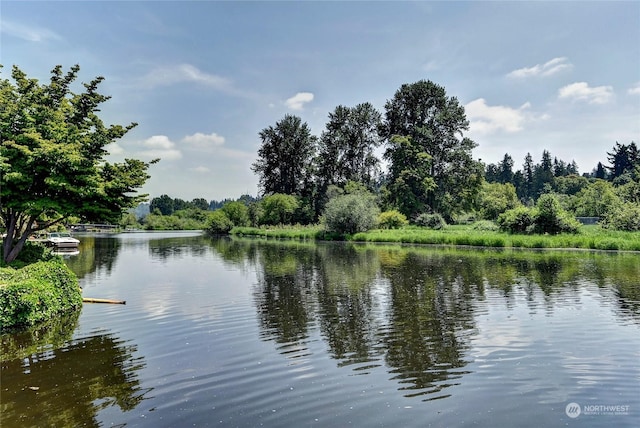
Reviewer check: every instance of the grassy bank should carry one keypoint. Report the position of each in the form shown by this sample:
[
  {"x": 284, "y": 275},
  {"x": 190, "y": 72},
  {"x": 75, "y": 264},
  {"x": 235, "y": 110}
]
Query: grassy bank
[
  {"x": 589, "y": 237},
  {"x": 36, "y": 293}
]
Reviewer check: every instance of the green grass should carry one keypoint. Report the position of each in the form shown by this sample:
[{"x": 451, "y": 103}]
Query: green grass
[{"x": 589, "y": 237}]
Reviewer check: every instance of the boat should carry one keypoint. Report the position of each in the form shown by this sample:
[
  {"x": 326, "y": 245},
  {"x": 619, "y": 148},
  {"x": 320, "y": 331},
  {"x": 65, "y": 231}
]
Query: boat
[{"x": 62, "y": 240}]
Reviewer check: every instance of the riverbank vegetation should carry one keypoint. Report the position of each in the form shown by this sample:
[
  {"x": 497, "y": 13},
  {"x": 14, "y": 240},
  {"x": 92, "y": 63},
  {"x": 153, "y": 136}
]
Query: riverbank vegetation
[
  {"x": 589, "y": 238},
  {"x": 38, "y": 287},
  {"x": 431, "y": 180}
]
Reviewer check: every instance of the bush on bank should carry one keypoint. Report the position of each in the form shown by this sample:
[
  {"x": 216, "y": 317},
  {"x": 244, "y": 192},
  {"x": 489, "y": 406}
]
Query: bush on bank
[{"x": 37, "y": 292}]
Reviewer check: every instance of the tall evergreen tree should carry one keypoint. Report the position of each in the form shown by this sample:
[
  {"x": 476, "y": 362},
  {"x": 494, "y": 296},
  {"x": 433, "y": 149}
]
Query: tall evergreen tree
[
  {"x": 506, "y": 169},
  {"x": 623, "y": 158},
  {"x": 528, "y": 178},
  {"x": 600, "y": 171},
  {"x": 492, "y": 173},
  {"x": 543, "y": 174}
]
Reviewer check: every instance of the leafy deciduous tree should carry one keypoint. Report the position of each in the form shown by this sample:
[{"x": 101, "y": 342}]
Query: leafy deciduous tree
[
  {"x": 410, "y": 182},
  {"x": 237, "y": 212},
  {"x": 164, "y": 204},
  {"x": 596, "y": 199},
  {"x": 285, "y": 159},
  {"x": 432, "y": 125},
  {"x": 496, "y": 198},
  {"x": 52, "y": 158},
  {"x": 278, "y": 209},
  {"x": 346, "y": 151}
]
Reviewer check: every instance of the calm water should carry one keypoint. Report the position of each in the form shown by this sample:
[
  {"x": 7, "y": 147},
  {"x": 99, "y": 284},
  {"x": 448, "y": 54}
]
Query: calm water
[{"x": 239, "y": 332}]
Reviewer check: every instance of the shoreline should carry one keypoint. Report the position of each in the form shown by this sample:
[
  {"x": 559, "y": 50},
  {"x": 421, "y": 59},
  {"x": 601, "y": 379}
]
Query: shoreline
[{"x": 463, "y": 236}]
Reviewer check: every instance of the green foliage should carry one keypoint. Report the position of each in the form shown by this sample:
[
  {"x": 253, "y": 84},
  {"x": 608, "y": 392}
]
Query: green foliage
[
  {"x": 431, "y": 221},
  {"x": 307, "y": 232},
  {"x": 53, "y": 157},
  {"x": 431, "y": 165},
  {"x": 37, "y": 292},
  {"x": 551, "y": 218},
  {"x": 219, "y": 223},
  {"x": 351, "y": 213},
  {"x": 237, "y": 212},
  {"x": 623, "y": 158},
  {"x": 31, "y": 253},
  {"x": 129, "y": 220},
  {"x": 392, "y": 220},
  {"x": 165, "y": 204},
  {"x": 278, "y": 209},
  {"x": 547, "y": 217},
  {"x": 596, "y": 199},
  {"x": 588, "y": 237},
  {"x": 625, "y": 216},
  {"x": 570, "y": 184},
  {"x": 487, "y": 225},
  {"x": 410, "y": 183},
  {"x": 496, "y": 198},
  {"x": 185, "y": 219},
  {"x": 517, "y": 220},
  {"x": 466, "y": 218},
  {"x": 630, "y": 190},
  {"x": 346, "y": 151},
  {"x": 285, "y": 158}
]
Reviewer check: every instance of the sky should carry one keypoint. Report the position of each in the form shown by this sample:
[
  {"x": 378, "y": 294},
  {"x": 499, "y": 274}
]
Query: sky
[{"x": 203, "y": 78}]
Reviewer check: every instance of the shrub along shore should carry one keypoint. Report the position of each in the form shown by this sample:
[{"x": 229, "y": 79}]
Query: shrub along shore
[
  {"x": 588, "y": 238},
  {"x": 37, "y": 291}
]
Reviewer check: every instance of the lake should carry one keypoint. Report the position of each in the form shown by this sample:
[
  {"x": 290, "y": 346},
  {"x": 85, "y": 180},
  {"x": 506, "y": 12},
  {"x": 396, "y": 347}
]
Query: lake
[{"x": 248, "y": 332}]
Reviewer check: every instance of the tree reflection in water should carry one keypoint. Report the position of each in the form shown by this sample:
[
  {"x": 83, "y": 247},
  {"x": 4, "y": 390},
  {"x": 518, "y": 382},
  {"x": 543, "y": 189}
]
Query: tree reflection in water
[
  {"x": 67, "y": 382},
  {"x": 411, "y": 309}
]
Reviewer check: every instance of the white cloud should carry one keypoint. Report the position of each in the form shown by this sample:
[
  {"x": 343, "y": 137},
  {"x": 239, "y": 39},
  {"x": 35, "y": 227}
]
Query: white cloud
[
  {"x": 549, "y": 68},
  {"x": 485, "y": 119},
  {"x": 580, "y": 91},
  {"x": 204, "y": 141},
  {"x": 159, "y": 146},
  {"x": 114, "y": 149},
  {"x": 201, "y": 169},
  {"x": 29, "y": 33},
  {"x": 184, "y": 73},
  {"x": 634, "y": 90},
  {"x": 298, "y": 101}
]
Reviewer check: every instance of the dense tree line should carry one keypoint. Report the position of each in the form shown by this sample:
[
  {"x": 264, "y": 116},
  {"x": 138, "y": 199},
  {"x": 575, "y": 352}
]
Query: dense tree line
[
  {"x": 562, "y": 177},
  {"x": 431, "y": 178},
  {"x": 431, "y": 174},
  {"x": 166, "y": 205},
  {"x": 610, "y": 193},
  {"x": 430, "y": 167}
]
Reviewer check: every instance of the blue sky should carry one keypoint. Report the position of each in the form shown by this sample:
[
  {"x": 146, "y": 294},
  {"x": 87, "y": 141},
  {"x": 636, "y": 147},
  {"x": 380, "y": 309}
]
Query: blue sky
[{"x": 203, "y": 78}]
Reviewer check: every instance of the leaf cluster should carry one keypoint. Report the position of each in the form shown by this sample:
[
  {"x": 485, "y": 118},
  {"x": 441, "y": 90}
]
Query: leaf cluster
[
  {"x": 547, "y": 216},
  {"x": 37, "y": 292},
  {"x": 52, "y": 154}
]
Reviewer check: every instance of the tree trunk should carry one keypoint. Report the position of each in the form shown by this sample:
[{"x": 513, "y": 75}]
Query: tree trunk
[{"x": 12, "y": 247}]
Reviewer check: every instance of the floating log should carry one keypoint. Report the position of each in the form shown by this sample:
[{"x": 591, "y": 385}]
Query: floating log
[{"x": 94, "y": 300}]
